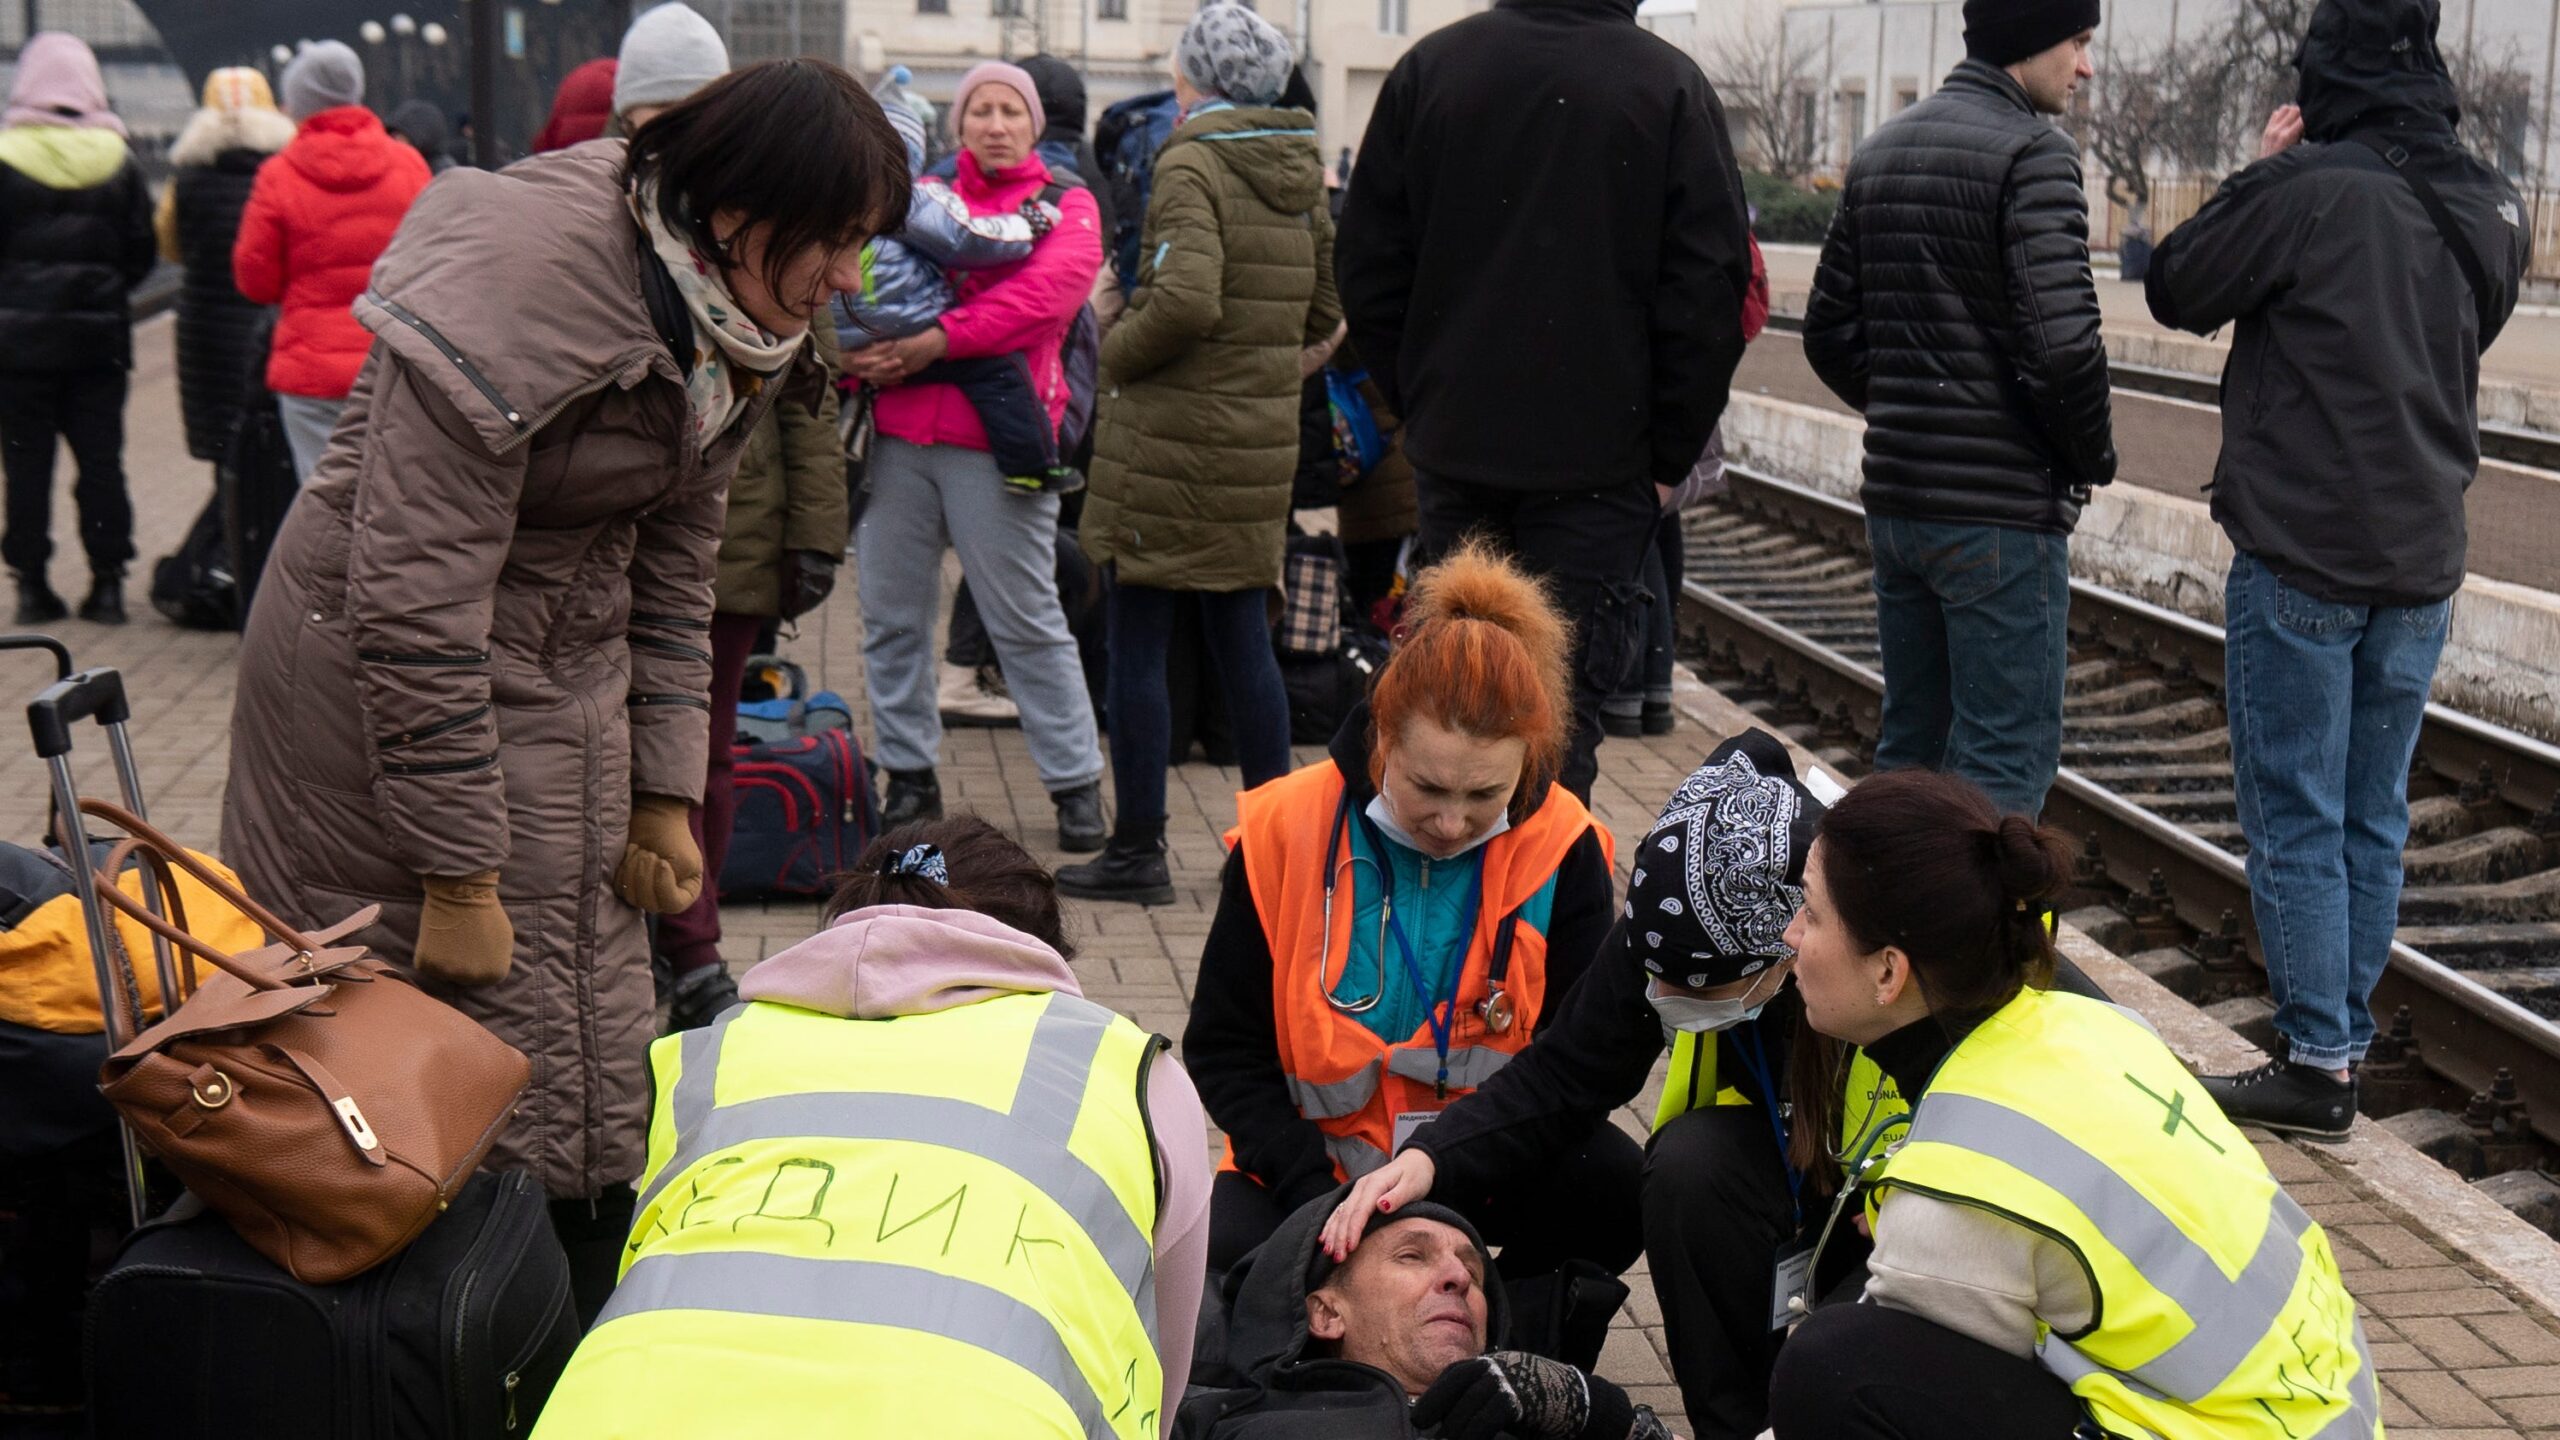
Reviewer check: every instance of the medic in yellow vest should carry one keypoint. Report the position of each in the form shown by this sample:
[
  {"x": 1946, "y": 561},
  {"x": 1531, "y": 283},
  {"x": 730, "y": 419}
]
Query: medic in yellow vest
[
  {"x": 1398, "y": 920},
  {"x": 2071, "y": 1239},
  {"x": 911, "y": 1186}
]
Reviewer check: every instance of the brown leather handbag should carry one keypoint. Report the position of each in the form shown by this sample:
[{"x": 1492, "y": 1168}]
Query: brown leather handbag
[{"x": 305, "y": 1091}]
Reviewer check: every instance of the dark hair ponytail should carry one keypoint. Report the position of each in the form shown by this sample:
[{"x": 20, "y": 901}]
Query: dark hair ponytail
[
  {"x": 984, "y": 871},
  {"x": 1924, "y": 862}
]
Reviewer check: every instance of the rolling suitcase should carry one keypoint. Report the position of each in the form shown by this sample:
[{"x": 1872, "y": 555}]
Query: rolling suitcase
[{"x": 190, "y": 1333}]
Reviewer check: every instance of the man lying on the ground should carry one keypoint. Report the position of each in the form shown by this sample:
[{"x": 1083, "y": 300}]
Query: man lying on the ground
[{"x": 1391, "y": 1344}]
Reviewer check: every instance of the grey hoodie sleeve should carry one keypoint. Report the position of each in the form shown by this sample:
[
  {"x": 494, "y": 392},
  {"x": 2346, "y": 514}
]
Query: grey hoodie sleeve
[{"x": 1974, "y": 1273}]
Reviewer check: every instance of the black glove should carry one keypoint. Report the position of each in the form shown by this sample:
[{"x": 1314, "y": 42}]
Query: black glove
[
  {"x": 808, "y": 578},
  {"x": 1509, "y": 1392}
]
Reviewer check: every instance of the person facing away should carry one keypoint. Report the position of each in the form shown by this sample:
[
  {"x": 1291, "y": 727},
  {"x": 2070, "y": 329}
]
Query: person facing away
[
  {"x": 1395, "y": 1341},
  {"x": 75, "y": 238},
  {"x": 317, "y": 220},
  {"x": 1972, "y": 347},
  {"x": 1549, "y": 391},
  {"x": 916, "y": 1185},
  {"x": 213, "y": 166},
  {"x": 2069, "y": 1238},
  {"x": 2341, "y": 484}
]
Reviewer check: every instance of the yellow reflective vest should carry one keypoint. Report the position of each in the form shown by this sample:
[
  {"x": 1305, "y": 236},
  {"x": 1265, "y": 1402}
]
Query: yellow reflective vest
[
  {"x": 937, "y": 1225},
  {"x": 1871, "y": 1110},
  {"x": 2219, "y": 1309}
]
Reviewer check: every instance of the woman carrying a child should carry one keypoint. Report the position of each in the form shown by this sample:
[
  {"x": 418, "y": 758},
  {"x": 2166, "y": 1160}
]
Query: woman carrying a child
[{"x": 934, "y": 483}]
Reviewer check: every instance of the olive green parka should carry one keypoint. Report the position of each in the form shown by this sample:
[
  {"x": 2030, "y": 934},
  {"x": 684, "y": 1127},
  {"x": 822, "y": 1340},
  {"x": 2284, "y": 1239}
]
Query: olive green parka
[{"x": 1197, "y": 439}]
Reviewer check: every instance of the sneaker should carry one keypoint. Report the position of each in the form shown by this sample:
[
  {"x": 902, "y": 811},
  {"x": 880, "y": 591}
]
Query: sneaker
[
  {"x": 701, "y": 995},
  {"x": 37, "y": 604},
  {"x": 968, "y": 702},
  {"x": 1131, "y": 875},
  {"x": 2294, "y": 1099},
  {"x": 913, "y": 795},
  {"x": 1081, "y": 830}
]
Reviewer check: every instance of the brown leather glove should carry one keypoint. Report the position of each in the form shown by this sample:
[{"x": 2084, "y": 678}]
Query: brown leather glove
[
  {"x": 661, "y": 866},
  {"x": 464, "y": 935}
]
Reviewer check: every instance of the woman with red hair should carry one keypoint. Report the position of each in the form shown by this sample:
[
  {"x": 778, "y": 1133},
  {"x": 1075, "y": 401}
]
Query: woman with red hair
[{"x": 1394, "y": 924}]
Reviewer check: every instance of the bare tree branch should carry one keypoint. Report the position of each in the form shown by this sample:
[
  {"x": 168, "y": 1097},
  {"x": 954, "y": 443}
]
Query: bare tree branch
[{"x": 1762, "y": 78}]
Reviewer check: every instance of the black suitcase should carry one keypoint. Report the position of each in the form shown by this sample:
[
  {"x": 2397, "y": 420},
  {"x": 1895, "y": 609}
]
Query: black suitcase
[
  {"x": 190, "y": 1333},
  {"x": 460, "y": 1336}
]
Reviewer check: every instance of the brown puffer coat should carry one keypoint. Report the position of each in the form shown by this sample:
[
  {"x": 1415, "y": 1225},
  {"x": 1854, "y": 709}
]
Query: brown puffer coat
[{"x": 484, "y": 627}]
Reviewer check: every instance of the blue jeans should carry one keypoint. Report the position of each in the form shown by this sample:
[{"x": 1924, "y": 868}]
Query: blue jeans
[
  {"x": 2325, "y": 705},
  {"x": 1972, "y": 620},
  {"x": 1237, "y": 630}
]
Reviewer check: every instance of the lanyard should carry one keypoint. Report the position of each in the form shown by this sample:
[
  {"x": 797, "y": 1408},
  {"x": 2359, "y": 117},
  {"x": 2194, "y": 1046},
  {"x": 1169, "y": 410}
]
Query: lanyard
[
  {"x": 1440, "y": 1014},
  {"x": 1755, "y": 1056}
]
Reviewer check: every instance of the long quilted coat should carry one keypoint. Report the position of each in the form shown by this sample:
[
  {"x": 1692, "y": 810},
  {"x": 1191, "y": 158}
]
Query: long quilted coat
[
  {"x": 1198, "y": 423},
  {"x": 214, "y": 165},
  {"x": 485, "y": 625}
]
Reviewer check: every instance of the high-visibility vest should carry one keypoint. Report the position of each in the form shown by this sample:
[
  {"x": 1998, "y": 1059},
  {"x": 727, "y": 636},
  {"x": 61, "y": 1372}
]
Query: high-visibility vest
[
  {"x": 2219, "y": 1309},
  {"x": 1872, "y": 1113},
  {"x": 1344, "y": 1077},
  {"x": 935, "y": 1225}
]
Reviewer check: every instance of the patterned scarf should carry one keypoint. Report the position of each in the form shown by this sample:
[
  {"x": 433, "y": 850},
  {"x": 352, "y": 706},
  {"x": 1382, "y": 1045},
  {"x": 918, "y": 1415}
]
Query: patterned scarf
[{"x": 731, "y": 365}]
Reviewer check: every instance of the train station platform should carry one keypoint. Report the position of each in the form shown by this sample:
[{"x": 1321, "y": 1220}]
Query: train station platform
[{"x": 2460, "y": 1299}]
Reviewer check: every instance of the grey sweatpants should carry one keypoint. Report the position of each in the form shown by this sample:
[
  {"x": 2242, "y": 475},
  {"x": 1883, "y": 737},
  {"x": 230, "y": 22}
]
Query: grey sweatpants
[{"x": 927, "y": 497}]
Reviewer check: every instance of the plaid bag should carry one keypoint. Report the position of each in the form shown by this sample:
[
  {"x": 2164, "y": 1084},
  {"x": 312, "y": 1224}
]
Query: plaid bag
[{"x": 1311, "y": 597}]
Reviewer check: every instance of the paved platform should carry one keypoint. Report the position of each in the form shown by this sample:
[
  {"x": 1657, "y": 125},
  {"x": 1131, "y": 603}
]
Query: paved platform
[{"x": 2463, "y": 1352}]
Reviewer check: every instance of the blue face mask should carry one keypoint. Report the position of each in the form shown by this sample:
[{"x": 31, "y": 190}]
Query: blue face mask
[{"x": 1691, "y": 1015}]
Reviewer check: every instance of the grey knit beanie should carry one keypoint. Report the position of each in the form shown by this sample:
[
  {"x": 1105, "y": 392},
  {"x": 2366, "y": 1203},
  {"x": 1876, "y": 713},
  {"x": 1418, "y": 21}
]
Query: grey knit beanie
[
  {"x": 667, "y": 54},
  {"x": 323, "y": 75},
  {"x": 1229, "y": 50}
]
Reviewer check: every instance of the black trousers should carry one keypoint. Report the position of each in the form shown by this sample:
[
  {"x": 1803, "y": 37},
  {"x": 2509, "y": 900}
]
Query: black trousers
[
  {"x": 1581, "y": 1208},
  {"x": 1589, "y": 546},
  {"x": 1864, "y": 1372},
  {"x": 84, "y": 408}
]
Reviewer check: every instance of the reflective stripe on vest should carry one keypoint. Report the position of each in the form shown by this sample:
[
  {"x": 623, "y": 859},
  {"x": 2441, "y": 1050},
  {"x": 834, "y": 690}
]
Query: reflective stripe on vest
[
  {"x": 1341, "y": 1075},
  {"x": 2216, "y": 1299},
  {"x": 1021, "y": 1236}
]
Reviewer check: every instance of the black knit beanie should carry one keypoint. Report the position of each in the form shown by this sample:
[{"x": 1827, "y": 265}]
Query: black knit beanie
[{"x": 2004, "y": 32}]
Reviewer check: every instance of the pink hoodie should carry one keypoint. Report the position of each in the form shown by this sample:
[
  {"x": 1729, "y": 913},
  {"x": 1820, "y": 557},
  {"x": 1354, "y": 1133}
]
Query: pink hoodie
[
  {"x": 1026, "y": 306},
  {"x": 893, "y": 960},
  {"x": 57, "y": 83}
]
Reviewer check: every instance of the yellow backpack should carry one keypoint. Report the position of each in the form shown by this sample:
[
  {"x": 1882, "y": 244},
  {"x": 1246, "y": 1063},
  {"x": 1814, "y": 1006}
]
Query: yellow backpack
[{"x": 46, "y": 979}]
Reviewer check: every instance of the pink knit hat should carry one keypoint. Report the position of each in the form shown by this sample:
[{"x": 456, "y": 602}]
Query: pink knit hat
[
  {"x": 1011, "y": 76},
  {"x": 58, "y": 84}
]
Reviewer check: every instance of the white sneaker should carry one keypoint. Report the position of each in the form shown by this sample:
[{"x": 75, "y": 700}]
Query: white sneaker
[{"x": 966, "y": 702}]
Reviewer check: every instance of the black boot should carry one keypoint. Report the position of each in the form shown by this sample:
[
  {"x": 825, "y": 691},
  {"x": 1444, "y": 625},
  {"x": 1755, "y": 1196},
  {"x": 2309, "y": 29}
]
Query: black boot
[
  {"x": 1081, "y": 828},
  {"x": 105, "y": 605},
  {"x": 913, "y": 795},
  {"x": 1131, "y": 870},
  {"x": 37, "y": 604},
  {"x": 700, "y": 996},
  {"x": 2300, "y": 1100}
]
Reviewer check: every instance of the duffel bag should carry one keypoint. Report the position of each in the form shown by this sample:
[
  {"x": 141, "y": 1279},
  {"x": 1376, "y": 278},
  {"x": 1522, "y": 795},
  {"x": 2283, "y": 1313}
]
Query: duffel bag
[{"x": 805, "y": 810}]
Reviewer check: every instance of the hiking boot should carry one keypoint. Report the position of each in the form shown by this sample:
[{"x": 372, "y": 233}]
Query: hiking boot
[
  {"x": 1657, "y": 719},
  {"x": 1621, "y": 724},
  {"x": 913, "y": 795},
  {"x": 37, "y": 604},
  {"x": 105, "y": 605},
  {"x": 1081, "y": 829},
  {"x": 2280, "y": 1095},
  {"x": 967, "y": 701},
  {"x": 1131, "y": 871},
  {"x": 700, "y": 996}
]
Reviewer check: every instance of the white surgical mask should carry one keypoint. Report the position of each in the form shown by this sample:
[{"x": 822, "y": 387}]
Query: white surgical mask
[
  {"x": 1386, "y": 820},
  {"x": 1688, "y": 1014}
]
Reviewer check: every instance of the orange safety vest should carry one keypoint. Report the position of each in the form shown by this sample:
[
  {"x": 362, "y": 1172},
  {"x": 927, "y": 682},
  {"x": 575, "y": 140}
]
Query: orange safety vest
[{"x": 1345, "y": 1078}]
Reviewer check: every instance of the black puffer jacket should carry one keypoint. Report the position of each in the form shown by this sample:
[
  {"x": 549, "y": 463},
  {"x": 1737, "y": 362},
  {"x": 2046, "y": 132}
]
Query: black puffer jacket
[
  {"x": 75, "y": 237},
  {"x": 2350, "y": 415},
  {"x": 214, "y": 164},
  {"x": 1954, "y": 307}
]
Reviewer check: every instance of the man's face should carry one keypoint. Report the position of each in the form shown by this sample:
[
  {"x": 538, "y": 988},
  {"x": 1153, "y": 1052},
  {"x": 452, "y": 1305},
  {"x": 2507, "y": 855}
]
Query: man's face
[
  {"x": 1410, "y": 1301},
  {"x": 2051, "y": 77}
]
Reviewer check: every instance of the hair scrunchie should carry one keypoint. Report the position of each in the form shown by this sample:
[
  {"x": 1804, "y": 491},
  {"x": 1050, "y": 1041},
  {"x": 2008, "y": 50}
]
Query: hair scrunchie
[{"x": 923, "y": 861}]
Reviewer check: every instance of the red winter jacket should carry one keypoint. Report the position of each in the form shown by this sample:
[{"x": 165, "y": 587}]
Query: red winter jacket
[
  {"x": 319, "y": 215},
  {"x": 1755, "y": 301}
]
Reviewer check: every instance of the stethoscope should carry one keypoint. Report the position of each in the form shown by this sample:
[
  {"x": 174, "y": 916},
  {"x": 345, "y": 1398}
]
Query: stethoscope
[{"x": 1495, "y": 1009}]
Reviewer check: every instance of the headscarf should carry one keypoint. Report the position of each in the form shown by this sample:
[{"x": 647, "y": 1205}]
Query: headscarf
[
  {"x": 1229, "y": 51},
  {"x": 58, "y": 83},
  {"x": 732, "y": 355},
  {"x": 1721, "y": 873}
]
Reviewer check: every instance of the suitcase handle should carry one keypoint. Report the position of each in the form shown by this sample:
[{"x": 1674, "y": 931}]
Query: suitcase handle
[{"x": 90, "y": 694}]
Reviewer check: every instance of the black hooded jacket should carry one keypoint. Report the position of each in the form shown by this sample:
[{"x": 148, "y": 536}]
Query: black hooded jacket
[
  {"x": 1954, "y": 308},
  {"x": 1280, "y": 1390},
  {"x": 1062, "y": 102},
  {"x": 2350, "y": 402}
]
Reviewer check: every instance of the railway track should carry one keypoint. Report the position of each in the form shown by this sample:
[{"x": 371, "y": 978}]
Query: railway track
[{"x": 1776, "y": 609}]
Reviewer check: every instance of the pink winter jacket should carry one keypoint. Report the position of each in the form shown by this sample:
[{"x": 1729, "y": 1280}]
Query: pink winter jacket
[{"x": 1025, "y": 306}]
